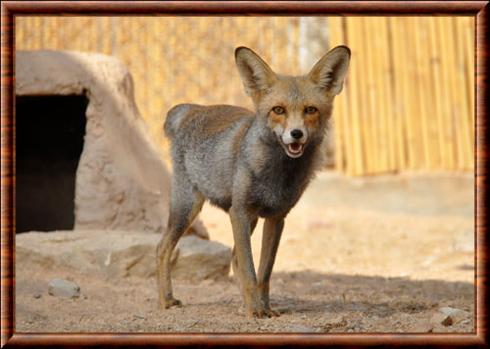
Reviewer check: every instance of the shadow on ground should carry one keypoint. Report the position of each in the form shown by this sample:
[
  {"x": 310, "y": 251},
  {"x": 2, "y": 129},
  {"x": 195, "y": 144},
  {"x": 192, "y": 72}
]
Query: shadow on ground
[
  {"x": 308, "y": 301},
  {"x": 372, "y": 295}
]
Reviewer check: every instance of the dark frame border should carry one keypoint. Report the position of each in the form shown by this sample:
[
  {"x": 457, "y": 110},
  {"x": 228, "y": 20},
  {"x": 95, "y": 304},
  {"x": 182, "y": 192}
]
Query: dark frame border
[{"x": 9, "y": 9}]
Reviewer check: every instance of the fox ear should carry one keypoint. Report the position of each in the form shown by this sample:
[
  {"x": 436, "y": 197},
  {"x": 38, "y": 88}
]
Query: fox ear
[
  {"x": 329, "y": 72},
  {"x": 256, "y": 75}
]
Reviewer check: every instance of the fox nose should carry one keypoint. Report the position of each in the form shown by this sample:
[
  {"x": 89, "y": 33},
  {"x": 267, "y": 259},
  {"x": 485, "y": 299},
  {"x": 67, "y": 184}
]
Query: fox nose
[{"x": 296, "y": 134}]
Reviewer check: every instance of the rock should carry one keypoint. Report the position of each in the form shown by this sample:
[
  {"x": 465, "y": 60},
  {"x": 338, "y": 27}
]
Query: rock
[
  {"x": 441, "y": 319},
  {"x": 200, "y": 259},
  {"x": 198, "y": 229},
  {"x": 457, "y": 315},
  {"x": 448, "y": 316},
  {"x": 117, "y": 254},
  {"x": 63, "y": 288}
]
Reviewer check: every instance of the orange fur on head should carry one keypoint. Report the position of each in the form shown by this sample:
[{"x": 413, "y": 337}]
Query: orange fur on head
[
  {"x": 312, "y": 120},
  {"x": 276, "y": 119}
]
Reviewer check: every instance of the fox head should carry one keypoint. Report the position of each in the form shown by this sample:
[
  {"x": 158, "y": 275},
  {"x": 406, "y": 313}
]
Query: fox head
[{"x": 296, "y": 109}]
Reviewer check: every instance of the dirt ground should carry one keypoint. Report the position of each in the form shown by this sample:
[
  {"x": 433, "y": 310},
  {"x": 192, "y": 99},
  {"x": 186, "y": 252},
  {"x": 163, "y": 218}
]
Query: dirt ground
[{"x": 380, "y": 254}]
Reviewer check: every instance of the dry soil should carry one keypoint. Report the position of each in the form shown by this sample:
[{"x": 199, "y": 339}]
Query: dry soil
[{"x": 357, "y": 255}]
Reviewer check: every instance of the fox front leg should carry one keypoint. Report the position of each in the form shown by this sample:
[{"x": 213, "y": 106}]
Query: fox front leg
[
  {"x": 242, "y": 222},
  {"x": 234, "y": 262},
  {"x": 270, "y": 242}
]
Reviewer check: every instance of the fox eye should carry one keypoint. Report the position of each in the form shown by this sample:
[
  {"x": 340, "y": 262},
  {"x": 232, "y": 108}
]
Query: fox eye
[
  {"x": 310, "y": 110},
  {"x": 278, "y": 110}
]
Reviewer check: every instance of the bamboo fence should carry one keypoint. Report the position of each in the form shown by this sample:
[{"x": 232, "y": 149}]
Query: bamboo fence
[
  {"x": 409, "y": 99},
  {"x": 408, "y": 103}
]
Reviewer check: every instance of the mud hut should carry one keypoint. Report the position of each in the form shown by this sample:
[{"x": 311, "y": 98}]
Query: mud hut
[{"x": 85, "y": 159}]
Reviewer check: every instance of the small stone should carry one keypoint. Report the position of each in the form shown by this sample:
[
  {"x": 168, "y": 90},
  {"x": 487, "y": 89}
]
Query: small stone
[
  {"x": 448, "y": 316},
  {"x": 63, "y": 288},
  {"x": 441, "y": 319},
  {"x": 457, "y": 315}
]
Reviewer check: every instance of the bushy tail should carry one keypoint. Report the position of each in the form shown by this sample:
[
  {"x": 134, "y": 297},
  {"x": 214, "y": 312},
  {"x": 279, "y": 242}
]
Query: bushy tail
[{"x": 174, "y": 118}]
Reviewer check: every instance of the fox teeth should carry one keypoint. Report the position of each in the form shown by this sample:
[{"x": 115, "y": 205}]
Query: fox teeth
[{"x": 295, "y": 148}]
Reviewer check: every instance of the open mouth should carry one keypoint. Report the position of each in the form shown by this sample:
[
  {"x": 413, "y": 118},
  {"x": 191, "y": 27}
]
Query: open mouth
[{"x": 294, "y": 150}]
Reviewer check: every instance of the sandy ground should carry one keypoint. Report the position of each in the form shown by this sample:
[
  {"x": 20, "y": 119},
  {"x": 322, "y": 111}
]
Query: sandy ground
[{"x": 357, "y": 255}]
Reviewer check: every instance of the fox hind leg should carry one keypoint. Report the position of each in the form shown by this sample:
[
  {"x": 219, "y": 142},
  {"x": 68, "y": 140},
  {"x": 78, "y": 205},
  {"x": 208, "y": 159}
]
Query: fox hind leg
[{"x": 185, "y": 204}]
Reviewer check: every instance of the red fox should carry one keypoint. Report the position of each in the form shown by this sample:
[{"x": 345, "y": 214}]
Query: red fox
[{"x": 250, "y": 164}]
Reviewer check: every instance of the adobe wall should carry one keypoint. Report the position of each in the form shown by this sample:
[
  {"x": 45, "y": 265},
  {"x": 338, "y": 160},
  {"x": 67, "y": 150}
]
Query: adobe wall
[{"x": 121, "y": 182}]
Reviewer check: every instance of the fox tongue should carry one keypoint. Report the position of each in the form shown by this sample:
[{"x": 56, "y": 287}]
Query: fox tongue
[{"x": 294, "y": 147}]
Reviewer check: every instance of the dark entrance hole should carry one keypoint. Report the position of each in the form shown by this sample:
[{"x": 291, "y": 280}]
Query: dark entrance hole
[{"x": 49, "y": 141}]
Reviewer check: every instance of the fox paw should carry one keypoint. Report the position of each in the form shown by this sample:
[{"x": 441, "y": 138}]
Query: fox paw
[
  {"x": 272, "y": 313},
  {"x": 169, "y": 303},
  {"x": 262, "y": 313}
]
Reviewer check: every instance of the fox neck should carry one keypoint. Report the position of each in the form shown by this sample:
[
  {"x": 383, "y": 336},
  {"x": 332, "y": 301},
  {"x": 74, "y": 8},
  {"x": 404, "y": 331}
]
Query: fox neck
[
  {"x": 275, "y": 157},
  {"x": 276, "y": 180}
]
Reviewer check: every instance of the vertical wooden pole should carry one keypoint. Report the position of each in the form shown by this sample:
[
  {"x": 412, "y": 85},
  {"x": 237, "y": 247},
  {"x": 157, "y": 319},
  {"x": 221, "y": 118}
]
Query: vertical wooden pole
[
  {"x": 354, "y": 98},
  {"x": 367, "y": 92}
]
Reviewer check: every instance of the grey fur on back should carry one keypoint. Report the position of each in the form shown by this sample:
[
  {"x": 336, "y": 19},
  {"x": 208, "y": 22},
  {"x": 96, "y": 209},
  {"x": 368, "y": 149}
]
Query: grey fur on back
[{"x": 175, "y": 114}]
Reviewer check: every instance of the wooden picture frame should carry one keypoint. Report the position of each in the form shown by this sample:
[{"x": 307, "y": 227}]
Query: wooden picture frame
[{"x": 11, "y": 9}]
